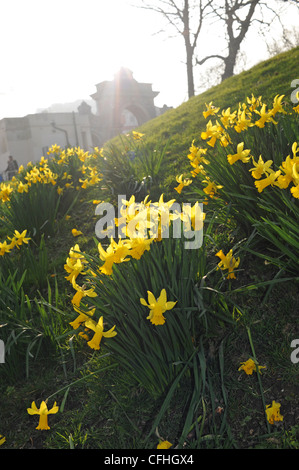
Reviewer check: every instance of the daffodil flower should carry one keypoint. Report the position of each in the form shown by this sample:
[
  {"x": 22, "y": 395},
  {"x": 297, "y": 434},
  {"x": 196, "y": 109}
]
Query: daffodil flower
[
  {"x": 228, "y": 262},
  {"x": 249, "y": 367},
  {"x": 228, "y": 118},
  {"x": 273, "y": 412},
  {"x": 99, "y": 332},
  {"x": 211, "y": 188},
  {"x": 82, "y": 317},
  {"x": 137, "y": 135},
  {"x": 211, "y": 110},
  {"x": 81, "y": 292},
  {"x": 43, "y": 413},
  {"x": 277, "y": 106},
  {"x": 260, "y": 167},
  {"x": 240, "y": 155},
  {"x": 157, "y": 307},
  {"x": 264, "y": 116},
  {"x": 76, "y": 232},
  {"x": 164, "y": 445},
  {"x": 242, "y": 122},
  {"x": 269, "y": 180},
  {"x": 182, "y": 183},
  {"x": 4, "y": 248},
  {"x": 212, "y": 132},
  {"x": 2, "y": 440}
]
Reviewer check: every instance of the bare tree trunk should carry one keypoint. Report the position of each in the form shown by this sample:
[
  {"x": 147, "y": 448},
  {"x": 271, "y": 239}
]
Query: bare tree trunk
[
  {"x": 234, "y": 42},
  {"x": 189, "y": 50}
]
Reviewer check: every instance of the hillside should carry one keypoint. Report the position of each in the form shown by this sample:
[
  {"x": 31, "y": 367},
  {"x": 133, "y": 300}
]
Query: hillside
[{"x": 185, "y": 123}]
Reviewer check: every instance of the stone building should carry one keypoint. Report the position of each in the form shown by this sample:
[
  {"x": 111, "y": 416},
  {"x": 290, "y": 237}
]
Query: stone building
[{"x": 122, "y": 104}]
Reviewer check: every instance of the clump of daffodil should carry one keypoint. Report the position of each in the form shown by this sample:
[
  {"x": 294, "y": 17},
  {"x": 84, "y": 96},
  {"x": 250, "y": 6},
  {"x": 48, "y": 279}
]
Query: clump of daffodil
[
  {"x": 74, "y": 263},
  {"x": 213, "y": 133},
  {"x": 228, "y": 262},
  {"x": 98, "y": 328},
  {"x": 249, "y": 367},
  {"x": 273, "y": 412},
  {"x": 157, "y": 307},
  {"x": 43, "y": 413},
  {"x": 243, "y": 119},
  {"x": 16, "y": 241},
  {"x": 5, "y": 192}
]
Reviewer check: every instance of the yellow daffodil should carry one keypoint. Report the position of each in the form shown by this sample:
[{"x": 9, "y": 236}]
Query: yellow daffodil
[
  {"x": 99, "y": 332},
  {"x": 212, "y": 133},
  {"x": 138, "y": 246},
  {"x": 137, "y": 135},
  {"x": 115, "y": 253},
  {"x": 254, "y": 102},
  {"x": 76, "y": 232},
  {"x": 157, "y": 307},
  {"x": 249, "y": 367},
  {"x": 212, "y": 188},
  {"x": 182, "y": 183},
  {"x": 277, "y": 106},
  {"x": 211, "y": 110},
  {"x": 81, "y": 292},
  {"x": 43, "y": 413},
  {"x": 164, "y": 445},
  {"x": 5, "y": 192},
  {"x": 228, "y": 118},
  {"x": 2, "y": 440},
  {"x": 4, "y": 248},
  {"x": 243, "y": 155},
  {"x": 74, "y": 263},
  {"x": 265, "y": 116},
  {"x": 193, "y": 217},
  {"x": 54, "y": 149},
  {"x": 196, "y": 155},
  {"x": 22, "y": 188},
  {"x": 260, "y": 167},
  {"x": 21, "y": 237},
  {"x": 228, "y": 262},
  {"x": 269, "y": 180},
  {"x": 273, "y": 412},
  {"x": 82, "y": 317},
  {"x": 243, "y": 121}
]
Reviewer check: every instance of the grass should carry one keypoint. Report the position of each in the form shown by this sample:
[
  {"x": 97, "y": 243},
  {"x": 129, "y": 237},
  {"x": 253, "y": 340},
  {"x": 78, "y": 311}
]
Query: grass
[{"x": 102, "y": 406}]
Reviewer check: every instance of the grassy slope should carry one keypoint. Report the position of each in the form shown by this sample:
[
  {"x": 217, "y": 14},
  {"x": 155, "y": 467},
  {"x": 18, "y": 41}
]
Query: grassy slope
[{"x": 185, "y": 123}]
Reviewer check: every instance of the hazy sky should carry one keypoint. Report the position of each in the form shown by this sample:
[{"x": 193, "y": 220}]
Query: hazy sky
[{"x": 56, "y": 51}]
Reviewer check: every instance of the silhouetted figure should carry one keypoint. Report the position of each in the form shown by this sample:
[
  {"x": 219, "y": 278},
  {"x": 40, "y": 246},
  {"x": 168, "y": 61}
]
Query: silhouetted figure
[{"x": 12, "y": 167}]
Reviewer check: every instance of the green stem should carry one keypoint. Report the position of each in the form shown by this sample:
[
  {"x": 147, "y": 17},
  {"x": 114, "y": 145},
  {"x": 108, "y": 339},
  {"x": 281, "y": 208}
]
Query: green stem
[{"x": 258, "y": 375}]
